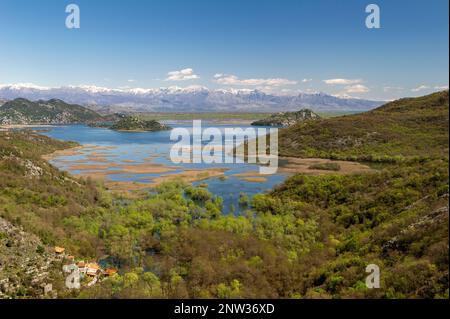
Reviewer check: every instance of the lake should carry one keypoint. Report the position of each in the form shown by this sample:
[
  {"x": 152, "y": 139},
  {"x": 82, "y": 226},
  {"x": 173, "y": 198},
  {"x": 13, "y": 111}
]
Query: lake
[{"x": 134, "y": 159}]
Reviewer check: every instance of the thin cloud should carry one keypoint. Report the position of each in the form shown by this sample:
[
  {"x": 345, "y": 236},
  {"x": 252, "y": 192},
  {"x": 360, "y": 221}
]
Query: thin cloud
[
  {"x": 228, "y": 79},
  {"x": 392, "y": 88},
  {"x": 420, "y": 88},
  {"x": 306, "y": 80},
  {"x": 342, "y": 81},
  {"x": 182, "y": 75},
  {"x": 357, "y": 88},
  {"x": 441, "y": 88}
]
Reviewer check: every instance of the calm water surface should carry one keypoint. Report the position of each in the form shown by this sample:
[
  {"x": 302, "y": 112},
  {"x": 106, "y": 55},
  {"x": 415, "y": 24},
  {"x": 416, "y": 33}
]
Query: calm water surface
[{"x": 140, "y": 146}]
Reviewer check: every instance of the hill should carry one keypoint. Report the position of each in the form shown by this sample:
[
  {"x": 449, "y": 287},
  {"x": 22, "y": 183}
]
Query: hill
[
  {"x": 132, "y": 123},
  {"x": 25, "y": 259},
  {"x": 395, "y": 217},
  {"x": 412, "y": 127},
  {"x": 54, "y": 111},
  {"x": 34, "y": 200},
  {"x": 287, "y": 118}
]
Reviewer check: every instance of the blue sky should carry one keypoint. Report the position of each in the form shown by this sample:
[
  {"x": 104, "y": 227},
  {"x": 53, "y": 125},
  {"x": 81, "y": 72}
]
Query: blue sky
[{"x": 277, "y": 46}]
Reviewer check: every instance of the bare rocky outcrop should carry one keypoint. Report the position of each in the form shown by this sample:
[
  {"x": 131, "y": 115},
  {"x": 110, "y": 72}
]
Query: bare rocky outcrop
[
  {"x": 287, "y": 118},
  {"x": 25, "y": 264}
]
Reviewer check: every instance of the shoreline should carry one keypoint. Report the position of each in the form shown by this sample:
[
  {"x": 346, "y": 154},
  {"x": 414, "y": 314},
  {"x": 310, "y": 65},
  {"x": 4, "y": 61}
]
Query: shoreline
[
  {"x": 100, "y": 166},
  {"x": 100, "y": 170},
  {"x": 13, "y": 126}
]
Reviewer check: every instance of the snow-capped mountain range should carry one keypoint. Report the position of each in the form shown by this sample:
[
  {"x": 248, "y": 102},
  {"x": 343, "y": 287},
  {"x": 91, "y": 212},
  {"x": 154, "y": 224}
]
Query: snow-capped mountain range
[{"x": 189, "y": 99}]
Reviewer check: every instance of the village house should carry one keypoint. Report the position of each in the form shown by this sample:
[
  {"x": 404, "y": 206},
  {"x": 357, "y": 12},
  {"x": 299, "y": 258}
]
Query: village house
[
  {"x": 82, "y": 267},
  {"x": 59, "y": 250},
  {"x": 92, "y": 269}
]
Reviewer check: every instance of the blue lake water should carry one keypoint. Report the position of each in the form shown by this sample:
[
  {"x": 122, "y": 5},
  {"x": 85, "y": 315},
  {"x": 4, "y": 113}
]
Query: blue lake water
[{"x": 140, "y": 147}]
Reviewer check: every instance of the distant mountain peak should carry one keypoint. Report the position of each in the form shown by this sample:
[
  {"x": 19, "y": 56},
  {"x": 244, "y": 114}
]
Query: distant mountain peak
[{"x": 192, "y": 98}]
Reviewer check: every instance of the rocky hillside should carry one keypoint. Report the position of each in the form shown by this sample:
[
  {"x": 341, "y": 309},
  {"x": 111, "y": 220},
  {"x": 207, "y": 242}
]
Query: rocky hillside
[
  {"x": 23, "y": 111},
  {"x": 27, "y": 266},
  {"x": 33, "y": 193},
  {"x": 287, "y": 118},
  {"x": 132, "y": 123},
  {"x": 34, "y": 198}
]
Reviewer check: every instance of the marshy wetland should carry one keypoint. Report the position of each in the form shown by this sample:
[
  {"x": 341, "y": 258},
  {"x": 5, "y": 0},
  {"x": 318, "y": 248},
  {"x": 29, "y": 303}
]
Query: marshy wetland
[{"x": 135, "y": 161}]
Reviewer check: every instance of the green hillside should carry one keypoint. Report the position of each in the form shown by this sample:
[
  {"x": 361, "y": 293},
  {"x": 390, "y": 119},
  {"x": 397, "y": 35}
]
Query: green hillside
[
  {"x": 287, "y": 118},
  {"x": 23, "y": 111},
  {"x": 35, "y": 199},
  {"x": 405, "y": 128}
]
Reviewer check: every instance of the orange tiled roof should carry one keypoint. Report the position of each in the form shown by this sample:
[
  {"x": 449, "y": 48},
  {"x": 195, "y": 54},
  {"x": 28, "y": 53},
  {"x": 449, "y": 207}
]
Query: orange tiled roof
[
  {"x": 93, "y": 266},
  {"x": 110, "y": 271},
  {"x": 59, "y": 250}
]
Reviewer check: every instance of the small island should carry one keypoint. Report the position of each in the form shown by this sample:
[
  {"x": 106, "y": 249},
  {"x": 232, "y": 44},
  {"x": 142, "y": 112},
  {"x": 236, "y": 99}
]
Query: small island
[
  {"x": 135, "y": 124},
  {"x": 287, "y": 118}
]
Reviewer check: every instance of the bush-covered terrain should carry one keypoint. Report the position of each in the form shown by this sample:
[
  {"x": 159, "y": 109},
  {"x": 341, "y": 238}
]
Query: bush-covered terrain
[
  {"x": 36, "y": 195},
  {"x": 311, "y": 237},
  {"x": 133, "y": 123},
  {"x": 287, "y": 118},
  {"x": 407, "y": 128},
  {"x": 23, "y": 111}
]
